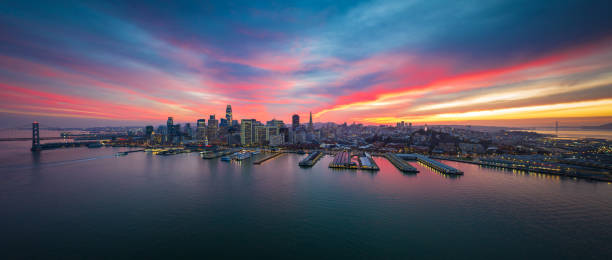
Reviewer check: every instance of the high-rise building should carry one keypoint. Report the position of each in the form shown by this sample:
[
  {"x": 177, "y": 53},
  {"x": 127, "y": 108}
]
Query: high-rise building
[
  {"x": 188, "y": 131},
  {"x": 228, "y": 113},
  {"x": 295, "y": 121},
  {"x": 201, "y": 129},
  {"x": 213, "y": 125},
  {"x": 148, "y": 132},
  {"x": 246, "y": 131},
  {"x": 223, "y": 123},
  {"x": 170, "y": 129},
  {"x": 260, "y": 134}
]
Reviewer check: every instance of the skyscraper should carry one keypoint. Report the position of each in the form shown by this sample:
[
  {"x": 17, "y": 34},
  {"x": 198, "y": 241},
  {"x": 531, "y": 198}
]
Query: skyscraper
[
  {"x": 170, "y": 130},
  {"x": 246, "y": 131},
  {"x": 201, "y": 129},
  {"x": 148, "y": 132},
  {"x": 211, "y": 131},
  {"x": 228, "y": 114},
  {"x": 295, "y": 121}
]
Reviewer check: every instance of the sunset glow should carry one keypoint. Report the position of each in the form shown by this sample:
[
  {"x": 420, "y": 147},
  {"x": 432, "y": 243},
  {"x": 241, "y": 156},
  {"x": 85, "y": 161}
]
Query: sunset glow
[{"x": 370, "y": 62}]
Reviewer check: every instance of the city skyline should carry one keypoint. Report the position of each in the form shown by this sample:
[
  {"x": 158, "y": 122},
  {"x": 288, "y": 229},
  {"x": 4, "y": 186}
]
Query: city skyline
[{"x": 506, "y": 63}]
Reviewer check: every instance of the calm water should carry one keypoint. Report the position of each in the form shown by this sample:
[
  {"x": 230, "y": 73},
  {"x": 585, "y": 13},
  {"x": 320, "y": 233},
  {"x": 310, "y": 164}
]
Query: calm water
[
  {"x": 85, "y": 202},
  {"x": 576, "y": 133}
]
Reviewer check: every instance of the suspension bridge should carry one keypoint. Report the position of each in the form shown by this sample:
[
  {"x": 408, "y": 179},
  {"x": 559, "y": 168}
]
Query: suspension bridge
[{"x": 17, "y": 134}]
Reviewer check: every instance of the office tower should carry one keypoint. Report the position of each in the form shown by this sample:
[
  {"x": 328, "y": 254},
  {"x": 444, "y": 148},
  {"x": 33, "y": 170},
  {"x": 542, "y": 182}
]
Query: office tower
[
  {"x": 201, "y": 129},
  {"x": 228, "y": 113},
  {"x": 169, "y": 129},
  {"x": 148, "y": 132},
  {"x": 213, "y": 125},
  {"x": 188, "y": 131},
  {"x": 178, "y": 136},
  {"x": 246, "y": 131},
  {"x": 295, "y": 121},
  {"x": 223, "y": 123}
]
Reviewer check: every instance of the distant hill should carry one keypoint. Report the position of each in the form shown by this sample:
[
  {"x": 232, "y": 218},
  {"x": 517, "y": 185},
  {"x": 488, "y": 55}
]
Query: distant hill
[{"x": 606, "y": 127}]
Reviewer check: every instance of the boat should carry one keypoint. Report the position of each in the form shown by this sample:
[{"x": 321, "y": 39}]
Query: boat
[
  {"x": 301, "y": 152},
  {"x": 121, "y": 154},
  {"x": 226, "y": 158},
  {"x": 242, "y": 156}
]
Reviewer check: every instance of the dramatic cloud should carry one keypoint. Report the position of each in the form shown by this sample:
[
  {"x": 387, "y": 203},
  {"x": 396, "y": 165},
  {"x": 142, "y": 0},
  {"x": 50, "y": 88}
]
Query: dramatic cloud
[{"x": 377, "y": 62}]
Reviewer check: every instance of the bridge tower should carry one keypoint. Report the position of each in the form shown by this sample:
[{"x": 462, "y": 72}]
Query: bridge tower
[{"x": 35, "y": 137}]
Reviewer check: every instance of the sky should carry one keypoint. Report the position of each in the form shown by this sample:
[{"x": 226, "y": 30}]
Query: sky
[{"x": 503, "y": 63}]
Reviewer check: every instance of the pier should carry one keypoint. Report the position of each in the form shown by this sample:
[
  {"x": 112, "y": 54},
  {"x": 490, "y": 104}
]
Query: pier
[
  {"x": 274, "y": 155},
  {"x": 311, "y": 159},
  {"x": 438, "y": 166},
  {"x": 366, "y": 162},
  {"x": 400, "y": 163},
  {"x": 343, "y": 160}
]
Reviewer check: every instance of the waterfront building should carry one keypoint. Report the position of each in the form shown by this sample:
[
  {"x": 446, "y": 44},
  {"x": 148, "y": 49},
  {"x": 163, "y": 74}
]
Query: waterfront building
[
  {"x": 276, "y": 140},
  {"x": 260, "y": 134},
  {"x": 246, "y": 131},
  {"x": 295, "y": 122}
]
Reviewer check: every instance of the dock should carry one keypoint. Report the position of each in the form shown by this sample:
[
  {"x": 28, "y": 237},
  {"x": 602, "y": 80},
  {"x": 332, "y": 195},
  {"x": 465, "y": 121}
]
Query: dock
[
  {"x": 400, "y": 163},
  {"x": 438, "y": 166},
  {"x": 311, "y": 159},
  {"x": 366, "y": 162},
  {"x": 274, "y": 155},
  {"x": 343, "y": 160}
]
